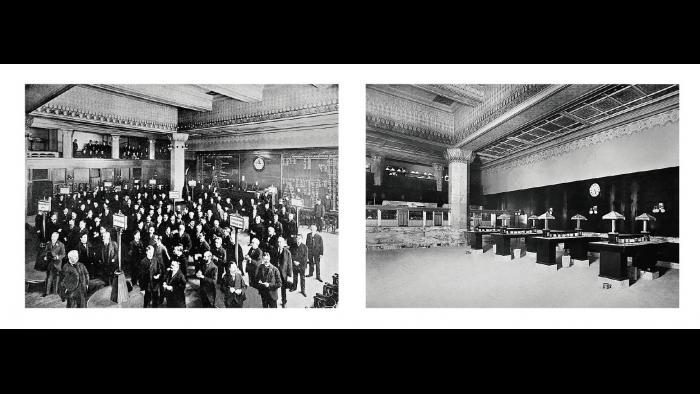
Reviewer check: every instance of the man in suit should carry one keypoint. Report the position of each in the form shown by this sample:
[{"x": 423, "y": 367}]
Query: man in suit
[
  {"x": 268, "y": 280},
  {"x": 284, "y": 265},
  {"x": 184, "y": 239},
  {"x": 277, "y": 225},
  {"x": 218, "y": 256},
  {"x": 174, "y": 286},
  {"x": 314, "y": 244},
  {"x": 300, "y": 259},
  {"x": 153, "y": 273},
  {"x": 253, "y": 261},
  {"x": 291, "y": 231},
  {"x": 107, "y": 258},
  {"x": 55, "y": 252},
  {"x": 319, "y": 213},
  {"x": 135, "y": 255},
  {"x": 207, "y": 281},
  {"x": 86, "y": 254},
  {"x": 233, "y": 287},
  {"x": 230, "y": 246},
  {"x": 74, "y": 282}
]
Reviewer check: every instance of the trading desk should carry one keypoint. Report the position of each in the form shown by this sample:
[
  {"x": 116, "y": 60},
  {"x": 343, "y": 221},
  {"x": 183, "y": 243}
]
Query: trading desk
[
  {"x": 613, "y": 257},
  {"x": 476, "y": 236},
  {"x": 547, "y": 246},
  {"x": 502, "y": 240}
]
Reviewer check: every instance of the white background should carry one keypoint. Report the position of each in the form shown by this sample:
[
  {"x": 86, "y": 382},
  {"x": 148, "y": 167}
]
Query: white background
[{"x": 351, "y": 312}]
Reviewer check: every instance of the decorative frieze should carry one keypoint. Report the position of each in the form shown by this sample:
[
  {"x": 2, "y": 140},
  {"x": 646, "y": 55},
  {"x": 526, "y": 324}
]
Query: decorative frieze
[
  {"x": 279, "y": 102},
  {"x": 459, "y": 155},
  {"x": 657, "y": 120},
  {"x": 68, "y": 113},
  {"x": 408, "y": 117}
]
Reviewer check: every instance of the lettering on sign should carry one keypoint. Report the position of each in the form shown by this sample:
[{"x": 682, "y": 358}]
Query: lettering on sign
[
  {"x": 64, "y": 190},
  {"x": 192, "y": 183},
  {"x": 174, "y": 195},
  {"x": 119, "y": 221},
  {"x": 44, "y": 206},
  {"x": 236, "y": 221},
  {"x": 151, "y": 181}
]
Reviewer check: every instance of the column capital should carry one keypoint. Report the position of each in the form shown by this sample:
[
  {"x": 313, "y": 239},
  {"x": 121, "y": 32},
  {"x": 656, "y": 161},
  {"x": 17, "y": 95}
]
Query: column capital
[
  {"x": 459, "y": 155},
  {"x": 115, "y": 137},
  {"x": 438, "y": 167},
  {"x": 179, "y": 137}
]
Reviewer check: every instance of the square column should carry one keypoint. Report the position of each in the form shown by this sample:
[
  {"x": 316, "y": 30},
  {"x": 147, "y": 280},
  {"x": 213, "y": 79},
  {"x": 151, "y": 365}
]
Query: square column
[
  {"x": 438, "y": 169},
  {"x": 377, "y": 168},
  {"x": 177, "y": 161},
  {"x": 67, "y": 136},
  {"x": 151, "y": 149},
  {"x": 458, "y": 191},
  {"x": 115, "y": 147}
]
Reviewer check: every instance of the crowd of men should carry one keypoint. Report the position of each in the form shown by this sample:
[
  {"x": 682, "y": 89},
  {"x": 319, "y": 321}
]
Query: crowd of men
[{"x": 77, "y": 242}]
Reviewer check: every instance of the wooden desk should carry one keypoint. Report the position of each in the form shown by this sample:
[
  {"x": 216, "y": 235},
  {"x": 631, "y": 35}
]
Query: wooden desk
[
  {"x": 546, "y": 247},
  {"x": 613, "y": 257},
  {"x": 502, "y": 241}
]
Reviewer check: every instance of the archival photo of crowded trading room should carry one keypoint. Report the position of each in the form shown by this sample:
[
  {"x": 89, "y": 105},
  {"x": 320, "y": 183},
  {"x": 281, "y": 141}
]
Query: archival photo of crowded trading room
[
  {"x": 536, "y": 196},
  {"x": 181, "y": 196}
]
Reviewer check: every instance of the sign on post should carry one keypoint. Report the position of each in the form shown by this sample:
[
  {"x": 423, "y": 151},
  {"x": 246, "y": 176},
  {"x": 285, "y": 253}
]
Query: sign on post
[
  {"x": 236, "y": 221},
  {"x": 108, "y": 184},
  {"x": 297, "y": 202},
  {"x": 175, "y": 195},
  {"x": 64, "y": 190},
  {"x": 192, "y": 183},
  {"x": 44, "y": 206},
  {"x": 119, "y": 221},
  {"x": 151, "y": 181}
]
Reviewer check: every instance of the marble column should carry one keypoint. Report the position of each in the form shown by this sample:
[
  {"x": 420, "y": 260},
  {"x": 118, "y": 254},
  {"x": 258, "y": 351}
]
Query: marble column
[
  {"x": 67, "y": 136},
  {"x": 151, "y": 149},
  {"x": 115, "y": 146},
  {"x": 177, "y": 161},
  {"x": 438, "y": 171},
  {"x": 377, "y": 168},
  {"x": 458, "y": 194}
]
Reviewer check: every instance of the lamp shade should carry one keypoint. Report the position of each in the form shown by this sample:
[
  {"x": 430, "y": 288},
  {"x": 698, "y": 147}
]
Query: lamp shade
[
  {"x": 645, "y": 216},
  {"x": 503, "y": 216},
  {"x": 578, "y": 217},
  {"x": 532, "y": 217},
  {"x": 546, "y": 215},
  {"x": 612, "y": 215}
]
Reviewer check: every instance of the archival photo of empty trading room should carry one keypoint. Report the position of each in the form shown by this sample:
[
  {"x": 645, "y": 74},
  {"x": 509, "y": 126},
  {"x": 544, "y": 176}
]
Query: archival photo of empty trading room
[
  {"x": 181, "y": 196},
  {"x": 535, "y": 196}
]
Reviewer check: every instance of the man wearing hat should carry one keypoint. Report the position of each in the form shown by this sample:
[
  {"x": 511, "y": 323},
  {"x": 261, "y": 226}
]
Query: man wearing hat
[
  {"x": 174, "y": 286},
  {"x": 74, "y": 282}
]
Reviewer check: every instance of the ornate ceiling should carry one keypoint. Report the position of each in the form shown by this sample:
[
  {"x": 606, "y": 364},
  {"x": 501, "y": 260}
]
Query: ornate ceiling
[
  {"x": 494, "y": 121},
  {"x": 201, "y": 110}
]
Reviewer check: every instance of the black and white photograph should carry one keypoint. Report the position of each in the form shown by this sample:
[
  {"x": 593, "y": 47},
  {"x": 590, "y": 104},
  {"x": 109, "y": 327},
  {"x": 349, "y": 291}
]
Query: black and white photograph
[
  {"x": 181, "y": 196},
  {"x": 522, "y": 196}
]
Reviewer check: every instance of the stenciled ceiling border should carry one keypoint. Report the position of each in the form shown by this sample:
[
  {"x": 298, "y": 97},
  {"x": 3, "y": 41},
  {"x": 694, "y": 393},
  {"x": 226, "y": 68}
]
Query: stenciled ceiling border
[
  {"x": 279, "y": 102},
  {"x": 658, "y": 120}
]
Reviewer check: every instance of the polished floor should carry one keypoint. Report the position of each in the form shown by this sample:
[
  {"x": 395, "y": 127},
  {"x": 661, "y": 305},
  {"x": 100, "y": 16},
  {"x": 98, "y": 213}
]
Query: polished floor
[
  {"x": 451, "y": 278},
  {"x": 99, "y": 294}
]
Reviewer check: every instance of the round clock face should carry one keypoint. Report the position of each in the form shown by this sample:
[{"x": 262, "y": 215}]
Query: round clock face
[
  {"x": 259, "y": 163},
  {"x": 595, "y": 190}
]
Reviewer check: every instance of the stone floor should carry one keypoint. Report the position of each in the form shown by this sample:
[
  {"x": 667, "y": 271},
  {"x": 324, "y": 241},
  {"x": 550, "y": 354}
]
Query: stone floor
[
  {"x": 451, "y": 278},
  {"x": 99, "y": 294}
]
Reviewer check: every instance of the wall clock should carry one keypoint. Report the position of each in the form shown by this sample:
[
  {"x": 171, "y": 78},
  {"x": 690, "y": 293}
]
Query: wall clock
[
  {"x": 594, "y": 190},
  {"x": 259, "y": 163}
]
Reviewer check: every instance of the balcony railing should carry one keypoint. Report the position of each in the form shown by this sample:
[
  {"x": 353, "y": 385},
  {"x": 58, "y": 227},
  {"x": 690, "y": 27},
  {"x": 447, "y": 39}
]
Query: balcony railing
[{"x": 404, "y": 216}]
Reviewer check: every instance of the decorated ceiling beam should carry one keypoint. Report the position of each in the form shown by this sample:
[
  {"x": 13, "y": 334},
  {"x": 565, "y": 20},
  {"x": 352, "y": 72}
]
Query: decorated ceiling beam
[
  {"x": 245, "y": 93},
  {"x": 37, "y": 95},
  {"x": 182, "y": 96}
]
